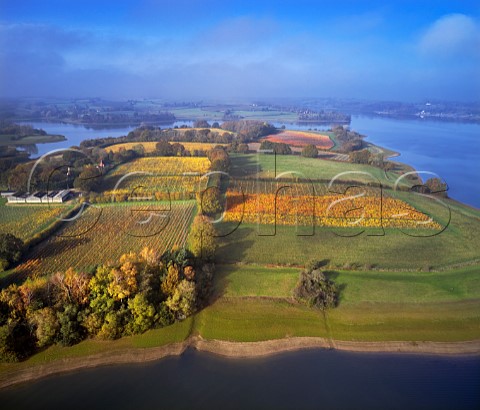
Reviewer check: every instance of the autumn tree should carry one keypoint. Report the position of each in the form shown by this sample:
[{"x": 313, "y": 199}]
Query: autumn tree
[
  {"x": 310, "y": 151},
  {"x": 90, "y": 179},
  {"x": 436, "y": 185},
  {"x": 46, "y": 326},
  {"x": 182, "y": 301},
  {"x": 11, "y": 249},
  {"x": 163, "y": 149},
  {"x": 171, "y": 280},
  {"x": 210, "y": 201},
  {"x": 202, "y": 238}
]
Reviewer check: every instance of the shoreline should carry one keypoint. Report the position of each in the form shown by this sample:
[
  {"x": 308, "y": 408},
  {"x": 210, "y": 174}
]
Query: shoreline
[{"x": 233, "y": 350}]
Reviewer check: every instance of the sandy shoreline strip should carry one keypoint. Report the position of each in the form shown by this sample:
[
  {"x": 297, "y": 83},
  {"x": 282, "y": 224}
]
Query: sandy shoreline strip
[{"x": 232, "y": 350}]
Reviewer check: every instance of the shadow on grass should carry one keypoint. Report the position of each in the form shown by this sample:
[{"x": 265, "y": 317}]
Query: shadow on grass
[
  {"x": 243, "y": 166},
  {"x": 333, "y": 275}
]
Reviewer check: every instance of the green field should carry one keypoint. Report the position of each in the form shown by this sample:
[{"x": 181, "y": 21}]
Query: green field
[
  {"x": 263, "y": 166},
  {"x": 373, "y": 306}
]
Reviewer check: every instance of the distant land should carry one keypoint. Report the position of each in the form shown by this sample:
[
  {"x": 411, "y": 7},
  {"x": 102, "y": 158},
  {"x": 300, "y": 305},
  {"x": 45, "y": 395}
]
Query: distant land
[{"x": 97, "y": 112}]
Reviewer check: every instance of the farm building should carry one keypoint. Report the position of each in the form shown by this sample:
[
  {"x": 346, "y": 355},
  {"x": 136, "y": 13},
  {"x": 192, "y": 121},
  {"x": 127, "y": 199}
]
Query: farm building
[{"x": 39, "y": 197}]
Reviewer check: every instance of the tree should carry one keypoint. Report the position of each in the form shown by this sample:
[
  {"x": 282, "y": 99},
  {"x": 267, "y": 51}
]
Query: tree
[
  {"x": 360, "y": 157},
  {"x": 143, "y": 314},
  {"x": 310, "y": 151},
  {"x": 46, "y": 326},
  {"x": 182, "y": 302},
  {"x": 16, "y": 342},
  {"x": 90, "y": 179},
  {"x": 436, "y": 185},
  {"x": 201, "y": 124},
  {"x": 178, "y": 150},
  {"x": 123, "y": 281},
  {"x": 202, "y": 238},
  {"x": 164, "y": 149},
  {"x": 70, "y": 331},
  {"x": 210, "y": 201},
  {"x": 11, "y": 249},
  {"x": 71, "y": 287},
  {"x": 315, "y": 289},
  {"x": 279, "y": 148},
  {"x": 171, "y": 280}
]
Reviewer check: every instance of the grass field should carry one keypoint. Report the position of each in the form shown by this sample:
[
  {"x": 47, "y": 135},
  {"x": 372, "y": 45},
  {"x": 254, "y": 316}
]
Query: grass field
[
  {"x": 254, "y": 303},
  {"x": 263, "y": 166}
]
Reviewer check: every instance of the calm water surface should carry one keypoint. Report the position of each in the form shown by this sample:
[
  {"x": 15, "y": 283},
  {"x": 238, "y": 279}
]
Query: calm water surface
[{"x": 317, "y": 379}]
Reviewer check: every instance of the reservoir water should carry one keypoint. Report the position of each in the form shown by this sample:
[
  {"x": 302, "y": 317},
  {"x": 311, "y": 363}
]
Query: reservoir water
[{"x": 315, "y": 379}]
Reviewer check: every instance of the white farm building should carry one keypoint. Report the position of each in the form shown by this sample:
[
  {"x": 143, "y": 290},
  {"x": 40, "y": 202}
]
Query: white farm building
[{"x": 39, "y": 197}]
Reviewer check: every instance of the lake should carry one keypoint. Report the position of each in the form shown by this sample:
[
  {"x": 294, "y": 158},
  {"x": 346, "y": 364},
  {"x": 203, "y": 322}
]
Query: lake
[
  {"x": 314, "y": 379},
  {"x": 451, "y": 150}
]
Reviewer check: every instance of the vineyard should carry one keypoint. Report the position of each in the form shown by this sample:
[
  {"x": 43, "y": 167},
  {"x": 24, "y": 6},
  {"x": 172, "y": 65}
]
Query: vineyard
[
  {"x": 302, "y": 138},
  {"x": 25, "y": 221},
  {"x": 149, "y": 147},
  {"x": 147, "y": 187},
  {"x": 160, "y": 178},
  {"x": 103, "y": 233},
  {"x": 352, "y": 210},
  {"x": 164, "y": 166}
]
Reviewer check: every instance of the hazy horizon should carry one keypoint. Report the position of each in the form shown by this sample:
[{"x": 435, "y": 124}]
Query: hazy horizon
[{"x": 405, "y": 51}]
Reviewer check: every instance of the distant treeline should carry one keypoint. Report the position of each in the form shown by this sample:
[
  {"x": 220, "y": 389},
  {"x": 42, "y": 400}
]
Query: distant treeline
[
  {"x": 9, "y": 128},
  {"x": 243, "y": 131}
]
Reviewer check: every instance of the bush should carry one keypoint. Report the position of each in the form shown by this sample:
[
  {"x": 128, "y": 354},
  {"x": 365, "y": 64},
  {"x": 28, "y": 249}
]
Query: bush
[
  {"x": 11, "y": 249},
  {"x": 309, "y": 151},
  {"x": 316, "y": 290}
]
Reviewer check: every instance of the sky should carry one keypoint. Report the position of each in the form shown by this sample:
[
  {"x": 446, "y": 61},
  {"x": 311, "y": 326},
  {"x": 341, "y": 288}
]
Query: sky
[{"x": 229, "y": 50}]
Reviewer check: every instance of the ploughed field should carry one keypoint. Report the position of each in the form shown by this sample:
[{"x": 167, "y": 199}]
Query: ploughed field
[{"x": 302, "y": 138}]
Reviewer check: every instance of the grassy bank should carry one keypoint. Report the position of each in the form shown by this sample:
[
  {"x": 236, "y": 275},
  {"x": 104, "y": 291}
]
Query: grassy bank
[{"x": 253, "y": 303}]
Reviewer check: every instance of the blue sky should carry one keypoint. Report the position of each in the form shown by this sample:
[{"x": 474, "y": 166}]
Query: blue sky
[{"x": 406, "y": 50}]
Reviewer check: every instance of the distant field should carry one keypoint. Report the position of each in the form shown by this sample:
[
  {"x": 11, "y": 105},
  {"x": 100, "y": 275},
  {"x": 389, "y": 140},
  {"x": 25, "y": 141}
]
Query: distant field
[
  {"x": 149, "y": 147},
  {"x": 302, "y": 138},
  {"x": 24, "y": 221},
  {"x": 29, "y": 139},
  {"x": 103, "y": 233}
]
